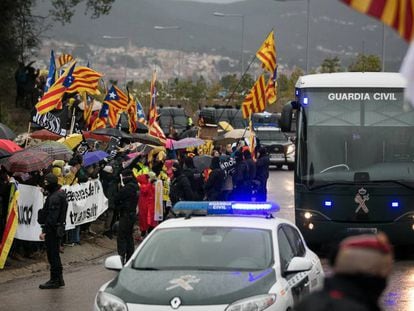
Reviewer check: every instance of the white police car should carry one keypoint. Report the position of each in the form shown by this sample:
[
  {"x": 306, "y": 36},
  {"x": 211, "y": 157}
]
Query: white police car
[{"x": 227, "y": 260}]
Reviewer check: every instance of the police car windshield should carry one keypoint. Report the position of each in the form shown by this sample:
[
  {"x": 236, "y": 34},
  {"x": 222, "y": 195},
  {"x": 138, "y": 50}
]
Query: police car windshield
[{"x": 207, "y": 248}]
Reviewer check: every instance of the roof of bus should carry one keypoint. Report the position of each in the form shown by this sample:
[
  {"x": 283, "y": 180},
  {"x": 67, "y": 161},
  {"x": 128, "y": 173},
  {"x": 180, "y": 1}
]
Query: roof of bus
[{"x": 352, "y": 79}]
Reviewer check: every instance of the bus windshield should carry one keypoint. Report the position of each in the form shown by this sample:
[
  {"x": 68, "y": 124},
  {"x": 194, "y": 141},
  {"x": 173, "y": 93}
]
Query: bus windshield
[{"x": 347, "y": 131}]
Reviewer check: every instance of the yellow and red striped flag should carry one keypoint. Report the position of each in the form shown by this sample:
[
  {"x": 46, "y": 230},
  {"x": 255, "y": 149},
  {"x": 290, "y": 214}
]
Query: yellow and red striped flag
[
  {"x": 267, "y": 53},
  {"x": 132, "y": 115},
  {"x": 152, "y": 113},
  {"x": 11, "y": 225},
  {"x": 271, "y": 91},
  {"x": 64, "y": 59},
  {"x": 117, "y": 99},
  {"x": 86, "y": 80},
  {"x": 255, "y": 101},
  {"x": 113, "y": 116},
  {"x": 397, "y": 14},
  {"x": 53, "y": 96}
]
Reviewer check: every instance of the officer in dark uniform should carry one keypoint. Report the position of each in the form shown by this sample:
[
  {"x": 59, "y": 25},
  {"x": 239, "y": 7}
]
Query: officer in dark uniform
[
  {"x": 126, "y": 201},
  {"x": 52, "y": 218}
]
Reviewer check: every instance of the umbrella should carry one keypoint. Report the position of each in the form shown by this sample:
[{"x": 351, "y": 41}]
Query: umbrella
[
  {"x": 9, "y": 145},
  {"x": 124, "y": 121},
  {"x": 141, "y": 128},
  {"x": 71, "y": 141},
  {"x": 202, "y": 162},
  {"x": 4, "y": 154},
  {"x": 28, "y": 160},
  {"x": 232, "y": 136},
  {"x": 45, "y": 135},
  {"x": 90, "y": 135},
  {"x": 147, "y": 139},
  {"x": 111, "y": 132},
  {"x": 57, "y": 151},
  {"x": 90, "y": 158},
  {"x": 192, "y": 132},
  {"x": 187, "y": 142},
  {"x": 6, "y": 132}
]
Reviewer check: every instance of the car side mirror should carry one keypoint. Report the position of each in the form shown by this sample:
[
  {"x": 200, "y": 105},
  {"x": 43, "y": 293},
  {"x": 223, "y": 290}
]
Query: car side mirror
[
  {"x": 298, "y": 264},
  {"x": 113, "y": 263}
]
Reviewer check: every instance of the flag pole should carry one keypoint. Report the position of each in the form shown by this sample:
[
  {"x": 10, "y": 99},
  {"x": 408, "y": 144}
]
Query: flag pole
[
  {"x": 72, "y": 122},
  {"x": 244, "y": 74},
  {"x": 28, "y": 134}
]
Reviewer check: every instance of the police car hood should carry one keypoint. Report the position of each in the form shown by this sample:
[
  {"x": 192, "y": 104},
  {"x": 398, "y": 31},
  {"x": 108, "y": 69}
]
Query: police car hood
[{"x": 192, "y": 287}]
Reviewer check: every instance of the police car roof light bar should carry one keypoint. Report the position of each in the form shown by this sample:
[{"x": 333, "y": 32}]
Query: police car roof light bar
[{"x": 225, "y": 208}]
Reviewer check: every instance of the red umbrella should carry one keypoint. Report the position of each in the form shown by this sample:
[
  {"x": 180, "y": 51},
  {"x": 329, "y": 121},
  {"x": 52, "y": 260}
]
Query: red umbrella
[
  {"x": 103, "y": 138},
  {"x": 9, "y": 145},
  {"x": 45, "y": 135},
  {"x": 28, "y": 160}
]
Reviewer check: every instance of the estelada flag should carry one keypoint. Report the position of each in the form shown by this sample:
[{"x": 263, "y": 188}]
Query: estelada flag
[
  {"x": 11, "y": 225},
  {"x": 86, "y": 80},
  {"x": 117, "y": 99},
  {"x": 255, "y": 101},
  {"x": 267, "y": 53},
  {"x": 53, "y": 96},
  {"x": 397, "y": 14}
]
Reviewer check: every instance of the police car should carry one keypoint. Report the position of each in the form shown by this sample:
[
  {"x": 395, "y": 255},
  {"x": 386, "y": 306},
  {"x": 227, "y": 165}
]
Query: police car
[{"x": 235, "y": 257}]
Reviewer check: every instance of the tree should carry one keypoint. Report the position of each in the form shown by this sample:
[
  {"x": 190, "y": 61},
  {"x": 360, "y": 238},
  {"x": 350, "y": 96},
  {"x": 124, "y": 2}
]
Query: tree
[
  {"x": 366, "y": 63},
  {"x": 331, "y": 65},
  {"x": 20, "y": 30}
]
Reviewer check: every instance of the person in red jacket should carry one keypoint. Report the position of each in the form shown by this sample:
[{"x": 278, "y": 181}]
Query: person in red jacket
[{"x": 146, "y": 204}]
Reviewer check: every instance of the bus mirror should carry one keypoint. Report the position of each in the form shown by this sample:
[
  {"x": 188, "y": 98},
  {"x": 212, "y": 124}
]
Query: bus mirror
[
  {"x": 295, "y": 104},
  {"x": 361, "y": 177}
]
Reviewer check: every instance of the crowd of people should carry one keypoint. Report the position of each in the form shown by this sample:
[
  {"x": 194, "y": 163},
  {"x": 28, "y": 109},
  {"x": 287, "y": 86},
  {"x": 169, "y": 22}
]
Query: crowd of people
[{"x": 129, "y": 184}]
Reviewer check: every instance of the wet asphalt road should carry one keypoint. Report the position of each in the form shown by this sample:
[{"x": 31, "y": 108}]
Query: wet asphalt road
[{"x": 83, "y": 281}]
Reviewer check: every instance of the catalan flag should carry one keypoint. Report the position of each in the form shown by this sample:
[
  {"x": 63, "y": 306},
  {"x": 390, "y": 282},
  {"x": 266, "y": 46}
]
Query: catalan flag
[
  {"x": 88, "y": 106},
  {"x": 64, "y": 59},
  {"x": 100, "y": 121},
  {"x": 51, "y": 76},
  {"x": 255, "y": 101},
  {"x": 132, "y": 116},
  {"x": 140, "y": 112},
  {"x": 152, "y": 113},
  {"x": 53, "y": 96},
  {"x": 271, "y": 89},
  {"x": 86, "y": 80},
  {"x": 397, "y": 14},
  {"x": 11, "y": 225},
  {"x": 117, "y": 99},
  {"x": 113, "y": 116},
  {"x": 267, "y": 53},
  {"x": 153, "y": 127}
]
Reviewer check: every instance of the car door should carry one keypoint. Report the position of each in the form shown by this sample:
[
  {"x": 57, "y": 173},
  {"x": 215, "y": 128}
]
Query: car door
[{"x": 293, "y": 245}]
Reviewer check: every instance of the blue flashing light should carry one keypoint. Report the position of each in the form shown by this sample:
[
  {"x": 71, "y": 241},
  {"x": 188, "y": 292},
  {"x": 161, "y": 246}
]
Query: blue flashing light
[
  {"x": 297, "y": 92},
  {"x": 395, "y": 204},
  {"x": 226, "y": 208},
  {"x": 305, "y": 101},
  {"x": 328, "y": 203}
]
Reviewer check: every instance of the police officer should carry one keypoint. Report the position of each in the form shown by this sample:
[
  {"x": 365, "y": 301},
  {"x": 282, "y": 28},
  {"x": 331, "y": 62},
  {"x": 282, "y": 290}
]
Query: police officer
[
  {"x": 126, "y": 205},
  {"x": 52, "y": 218}
]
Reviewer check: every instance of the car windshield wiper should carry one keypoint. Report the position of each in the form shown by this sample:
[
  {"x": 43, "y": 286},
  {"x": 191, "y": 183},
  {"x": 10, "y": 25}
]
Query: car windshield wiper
[{"x": 146, "y": 268}]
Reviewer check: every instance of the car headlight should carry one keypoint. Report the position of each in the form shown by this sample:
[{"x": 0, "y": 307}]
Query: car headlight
[
  {"x": 108, "y": 302},
  {"x": 255, "y": 303},
  {"x": 290, "y": 149}
]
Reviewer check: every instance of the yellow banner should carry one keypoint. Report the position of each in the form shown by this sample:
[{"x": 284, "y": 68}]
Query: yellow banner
[{"x": 11, "y": 226}]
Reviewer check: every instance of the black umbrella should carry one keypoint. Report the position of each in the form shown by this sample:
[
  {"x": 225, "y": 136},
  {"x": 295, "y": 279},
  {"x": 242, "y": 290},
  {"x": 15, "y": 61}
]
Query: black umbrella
[
  {"x": 146, "y": 139},
  {"x": 111, "y": 132},
  {"x": 4, "y": 154},
  {"x": 123, "y": 120},
  {"x": 6, "y": 132},
  {"x": 192, "y": 132}
]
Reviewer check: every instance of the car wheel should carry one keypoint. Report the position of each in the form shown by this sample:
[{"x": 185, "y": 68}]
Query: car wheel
[
  {"x": 291, "y": 167},
  {"x": 279, "y": 166}
]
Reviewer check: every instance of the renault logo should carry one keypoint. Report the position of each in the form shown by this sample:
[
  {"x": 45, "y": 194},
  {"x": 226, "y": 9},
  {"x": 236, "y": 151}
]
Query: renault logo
[{"x": 175, "y": 303}]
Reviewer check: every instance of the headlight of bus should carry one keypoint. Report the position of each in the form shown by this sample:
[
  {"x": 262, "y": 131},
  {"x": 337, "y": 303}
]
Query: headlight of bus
[
  {"x": 255, "y": 303},
  {"x": 290, "y": 149},
  {"x": 108, "y": 302}
]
